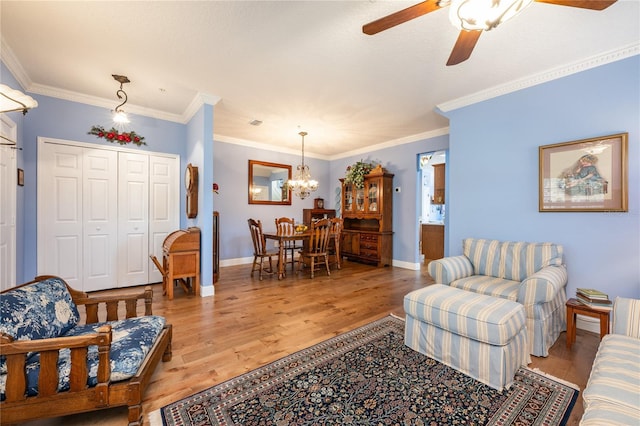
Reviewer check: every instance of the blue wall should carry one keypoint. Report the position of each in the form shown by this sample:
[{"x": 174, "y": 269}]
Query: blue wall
[
  {"x": 231, "y": 173},
  {"x": 199, "y": 152},
  {"x": 402, "y": 161},
  {"x": 493, "y": 172}
]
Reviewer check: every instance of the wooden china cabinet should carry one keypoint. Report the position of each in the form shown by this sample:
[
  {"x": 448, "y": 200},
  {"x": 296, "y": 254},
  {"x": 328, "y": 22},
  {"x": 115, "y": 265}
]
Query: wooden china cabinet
[{"x": 367, "y": 235}]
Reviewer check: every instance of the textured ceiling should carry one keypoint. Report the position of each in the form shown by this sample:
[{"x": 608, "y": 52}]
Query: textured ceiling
[{"x": 295, "y": 65}]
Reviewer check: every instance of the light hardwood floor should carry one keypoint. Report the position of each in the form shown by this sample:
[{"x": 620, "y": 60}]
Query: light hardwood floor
[{"x": 249, "y": 323}]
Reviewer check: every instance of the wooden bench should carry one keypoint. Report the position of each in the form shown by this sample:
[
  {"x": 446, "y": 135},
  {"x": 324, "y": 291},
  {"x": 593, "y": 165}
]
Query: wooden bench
[{"x": 50, "y": 335}]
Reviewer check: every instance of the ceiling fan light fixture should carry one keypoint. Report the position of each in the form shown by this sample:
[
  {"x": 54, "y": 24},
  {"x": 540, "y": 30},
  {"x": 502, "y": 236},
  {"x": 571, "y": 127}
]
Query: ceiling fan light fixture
[
  {"x": 474, "y": 15},
  {"x": 15, "y": 100}
]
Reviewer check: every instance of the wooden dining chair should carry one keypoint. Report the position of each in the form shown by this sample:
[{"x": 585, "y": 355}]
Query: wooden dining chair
[
  {"x": 286, "y": 226},
  {"x": 260, "y": 249},
  {"x": 337, "y": 223},
  {"x": 315, "y": 251}
]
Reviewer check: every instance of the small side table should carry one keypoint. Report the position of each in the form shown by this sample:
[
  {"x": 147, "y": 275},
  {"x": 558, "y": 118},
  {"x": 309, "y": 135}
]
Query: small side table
[{"x": 574, "y": 307}]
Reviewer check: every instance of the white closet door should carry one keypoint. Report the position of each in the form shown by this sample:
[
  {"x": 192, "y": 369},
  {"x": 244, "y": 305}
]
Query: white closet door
[
  {"x": 102, "y": 212},
  {"x": 60, "y": 225},
  {"x": 133, "y": 219},
  {"x": 7, "y": 205},
  {"x": 78, "y": 220},
  {"x": 164, "y": 194},
  {"x": 100, "y": 219}
]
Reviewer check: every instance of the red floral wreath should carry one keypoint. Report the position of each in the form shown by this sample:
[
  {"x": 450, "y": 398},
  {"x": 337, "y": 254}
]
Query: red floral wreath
[{"x": 114, "y": 135}]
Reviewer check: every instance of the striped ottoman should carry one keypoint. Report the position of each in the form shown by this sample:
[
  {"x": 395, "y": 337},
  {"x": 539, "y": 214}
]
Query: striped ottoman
[{"x": 484, "y": 337}]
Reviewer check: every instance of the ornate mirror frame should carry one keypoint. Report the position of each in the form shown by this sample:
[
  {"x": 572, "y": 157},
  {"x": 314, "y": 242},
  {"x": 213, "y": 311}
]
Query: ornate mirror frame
[{"x": 267, "y": 183}]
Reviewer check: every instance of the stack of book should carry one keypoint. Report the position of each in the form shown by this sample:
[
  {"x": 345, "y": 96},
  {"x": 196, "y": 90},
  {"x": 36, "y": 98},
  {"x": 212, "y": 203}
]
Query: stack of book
[{"x": 593, "y": 298}]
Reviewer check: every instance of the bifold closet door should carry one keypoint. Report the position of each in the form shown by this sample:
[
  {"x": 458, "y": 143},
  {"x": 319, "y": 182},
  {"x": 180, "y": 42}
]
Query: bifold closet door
[
  {"x": 102, "y": 212},
  {"x": 77, "y": 215},
  {"x": 133, "y": 219},
  {"x": 164, "y": 206}
]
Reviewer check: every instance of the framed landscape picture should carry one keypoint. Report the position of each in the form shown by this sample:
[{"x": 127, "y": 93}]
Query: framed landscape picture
[{"x": 588, "y": 175}]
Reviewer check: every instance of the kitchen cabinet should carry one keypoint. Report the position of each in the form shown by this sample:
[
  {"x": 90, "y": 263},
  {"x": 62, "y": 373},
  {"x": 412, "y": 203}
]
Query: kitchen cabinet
[
  {"x": 432, "y": 238},
  {"x": 438, "y": 183}
]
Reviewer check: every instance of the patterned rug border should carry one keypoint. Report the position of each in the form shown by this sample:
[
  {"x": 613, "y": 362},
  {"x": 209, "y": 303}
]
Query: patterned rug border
[{"x": 346, "y": 342}]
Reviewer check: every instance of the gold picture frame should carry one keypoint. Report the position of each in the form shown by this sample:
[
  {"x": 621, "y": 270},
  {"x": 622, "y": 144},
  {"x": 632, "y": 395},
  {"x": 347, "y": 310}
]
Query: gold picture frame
[{"x": 587, "y": 175}]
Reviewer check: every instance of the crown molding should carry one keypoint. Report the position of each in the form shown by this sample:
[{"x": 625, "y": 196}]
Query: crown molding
[
  {"x": 264, "y": 146},
  {"x": 367, "y": 150},
  {"x": 198, "y": 100},
  {"x": 9, "y": 58},
  {"x": 392, "y": 143},
  {"x": 553, "y": 74}
]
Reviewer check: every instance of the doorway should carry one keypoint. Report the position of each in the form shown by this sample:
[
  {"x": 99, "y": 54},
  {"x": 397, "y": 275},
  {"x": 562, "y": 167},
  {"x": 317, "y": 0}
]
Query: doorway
[{"x": 432, "y": 170}]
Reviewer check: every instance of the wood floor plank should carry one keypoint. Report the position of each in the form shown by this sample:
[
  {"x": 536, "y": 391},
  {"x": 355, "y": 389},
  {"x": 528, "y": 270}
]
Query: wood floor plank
[{"x": 249, "y": 323}]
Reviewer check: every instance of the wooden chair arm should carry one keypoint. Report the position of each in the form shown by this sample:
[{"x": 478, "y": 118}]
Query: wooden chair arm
[{"x": 16, "y": 352}]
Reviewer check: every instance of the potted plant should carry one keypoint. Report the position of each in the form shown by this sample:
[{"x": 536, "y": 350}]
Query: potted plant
[{"x": 356, "y": 173}]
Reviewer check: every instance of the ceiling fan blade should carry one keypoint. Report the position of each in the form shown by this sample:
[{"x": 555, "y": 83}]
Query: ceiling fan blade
[
  {"x": 400, "y": 17},
  {"x": 583, "y": 4},
  {"x": 464, "y": 46}
]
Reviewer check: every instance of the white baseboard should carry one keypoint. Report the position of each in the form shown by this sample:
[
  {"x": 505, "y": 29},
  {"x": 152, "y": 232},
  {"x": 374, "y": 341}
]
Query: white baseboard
[
  {"x": 588, "y": 324},
  {"x": 236, "y": 261},
  {"x": 207, "y": 290},
  {"x": 406, "y": 265}
]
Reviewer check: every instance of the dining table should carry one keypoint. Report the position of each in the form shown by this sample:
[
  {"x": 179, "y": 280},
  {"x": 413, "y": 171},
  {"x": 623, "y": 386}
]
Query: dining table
[{"x": 282, "y": 239}]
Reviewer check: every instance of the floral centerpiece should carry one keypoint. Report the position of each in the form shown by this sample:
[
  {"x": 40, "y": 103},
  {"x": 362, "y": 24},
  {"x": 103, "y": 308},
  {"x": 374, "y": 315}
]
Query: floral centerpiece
[
  {"x": 356, "y": 173},
  {"x": 113, "y": 135}
]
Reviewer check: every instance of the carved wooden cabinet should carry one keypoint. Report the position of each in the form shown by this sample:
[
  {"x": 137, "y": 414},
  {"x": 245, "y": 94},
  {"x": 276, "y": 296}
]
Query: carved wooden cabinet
[{"x": 367, "y": 235}]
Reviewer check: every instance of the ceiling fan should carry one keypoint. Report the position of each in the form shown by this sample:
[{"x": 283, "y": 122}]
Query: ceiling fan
[{"x": 472, "y": 17}]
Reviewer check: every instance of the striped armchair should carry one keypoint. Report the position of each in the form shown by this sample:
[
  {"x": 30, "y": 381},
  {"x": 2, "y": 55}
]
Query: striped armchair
[
  {"x": 528, "y": 273},
  {"x": 612, "y": 395}
]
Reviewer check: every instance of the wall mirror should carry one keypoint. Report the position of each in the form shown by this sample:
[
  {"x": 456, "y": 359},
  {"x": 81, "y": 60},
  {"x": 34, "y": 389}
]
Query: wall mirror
[{"x": 267, "y": 183}]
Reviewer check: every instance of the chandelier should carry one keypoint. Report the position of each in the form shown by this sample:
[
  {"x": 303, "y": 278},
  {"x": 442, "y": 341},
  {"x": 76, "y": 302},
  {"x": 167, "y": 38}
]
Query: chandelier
[{"x": 302, "y": 185}]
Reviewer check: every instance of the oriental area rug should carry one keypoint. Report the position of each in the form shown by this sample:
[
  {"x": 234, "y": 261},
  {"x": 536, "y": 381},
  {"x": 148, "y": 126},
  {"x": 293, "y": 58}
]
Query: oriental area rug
[{"x": 369, "y": 377}]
